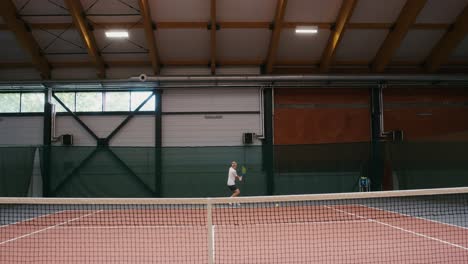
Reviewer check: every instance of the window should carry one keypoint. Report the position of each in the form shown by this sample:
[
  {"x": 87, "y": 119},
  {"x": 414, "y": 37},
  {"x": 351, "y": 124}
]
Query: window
[
  {"x": 117, "y": 101},
  {"x": 89, "y": 102},
  {"x": 139, "y": 97},
  {"x": 32, "y": 102},
  {"x": 67, "y": 98},
  {"x": 10, "y": 103}
]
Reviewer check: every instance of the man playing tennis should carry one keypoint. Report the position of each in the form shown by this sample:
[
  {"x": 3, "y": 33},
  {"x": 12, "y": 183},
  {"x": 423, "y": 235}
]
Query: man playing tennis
[{"x": 231, "y": 182}]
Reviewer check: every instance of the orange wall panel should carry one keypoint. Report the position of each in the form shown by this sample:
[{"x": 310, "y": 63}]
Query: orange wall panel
[
  {"x": 321, "y": 95},
  {"x": 428, "y": 123},
  {"x": 315, "y": 126},
  {"x": 392, "y": 95},
  {"x": 427, "y": 113},
  {"x": 318, "y": 116}
]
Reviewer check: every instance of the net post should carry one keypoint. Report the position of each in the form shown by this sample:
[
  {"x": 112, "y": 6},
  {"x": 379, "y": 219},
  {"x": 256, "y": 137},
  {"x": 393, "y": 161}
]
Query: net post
[{"x": 210, "y": 231}]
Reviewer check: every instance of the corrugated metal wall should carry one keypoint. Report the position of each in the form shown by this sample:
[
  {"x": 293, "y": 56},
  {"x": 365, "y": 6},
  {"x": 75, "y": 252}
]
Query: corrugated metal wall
[
  {"x": 191, "y": 117},
  {"x": 210, "y": 117},
  {"x": 24, "y": 130}
]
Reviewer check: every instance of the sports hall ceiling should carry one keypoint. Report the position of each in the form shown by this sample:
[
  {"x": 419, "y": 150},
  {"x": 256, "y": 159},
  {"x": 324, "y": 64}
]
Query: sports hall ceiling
[{"x": 354, "y": 36}]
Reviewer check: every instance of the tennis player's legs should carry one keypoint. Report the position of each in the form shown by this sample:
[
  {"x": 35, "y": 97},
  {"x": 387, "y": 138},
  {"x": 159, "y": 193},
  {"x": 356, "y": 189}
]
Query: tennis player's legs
[{"x": 234, "y": 189}]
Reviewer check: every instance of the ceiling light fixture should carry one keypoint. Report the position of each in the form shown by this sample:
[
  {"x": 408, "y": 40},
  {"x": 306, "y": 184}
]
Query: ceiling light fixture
[
  {"x": 306, "y": 29},
  {"x": 117, "y": 34}
]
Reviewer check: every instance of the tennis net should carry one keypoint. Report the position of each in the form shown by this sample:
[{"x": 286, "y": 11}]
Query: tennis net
[{"x": 420, "y": 226}]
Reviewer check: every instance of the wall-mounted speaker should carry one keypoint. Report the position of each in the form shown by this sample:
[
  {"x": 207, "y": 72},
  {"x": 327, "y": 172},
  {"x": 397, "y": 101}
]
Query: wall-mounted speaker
[
  {"x": 247, "y": 138},
  {"x": 397, "y": 135},
  {"x": 67, "y": 140}
]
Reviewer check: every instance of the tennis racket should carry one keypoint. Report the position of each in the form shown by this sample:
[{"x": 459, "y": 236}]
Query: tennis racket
[{"x": 243, "y": 172}]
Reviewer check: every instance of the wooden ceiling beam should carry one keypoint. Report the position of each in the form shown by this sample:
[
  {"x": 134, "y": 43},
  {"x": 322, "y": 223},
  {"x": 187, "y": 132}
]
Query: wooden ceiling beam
[
  {"x": 413, "y": 70},
  {"x": 218, "y": 63},
  {"x": 187, "y": 25},
  {"x": 320, "y": 25},
  {"x": 232, "y": 25},
  {"x": 63, "y": 26},
  {"x": 294, "y": 63},
  {"x": 24, "y": 37},
  {"x": 16, "y": 65},
  {"x": 213, "y": 36},
  {"x": 346, "y": 10},
  {"x": 430, "y": 26},
  {"x": 245, "y": 25},
  {"x": 149, "y": 34},
  {"x": 81, "y": 24},
  {"x": 275, "y": 35},
  {"x": 405, "y": 20},
  {"x": 377, "y": 26},
  {"x": 448, "y": 43},
  {"x": 279, "y": 64},
  {"x": 87, "y": 64}
]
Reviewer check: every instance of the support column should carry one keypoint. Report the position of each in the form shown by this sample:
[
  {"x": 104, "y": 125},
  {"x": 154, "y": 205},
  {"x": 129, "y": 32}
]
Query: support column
[
  {"x": 158, "y": 144},
  {"x": 47, "y": 142},
  {"x": 267, "y": 147},
  {"x": 376, "y": 166}
]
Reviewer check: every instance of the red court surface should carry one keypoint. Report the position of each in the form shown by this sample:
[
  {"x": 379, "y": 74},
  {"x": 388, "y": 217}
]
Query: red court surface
[{"x": 305, "y": 234}]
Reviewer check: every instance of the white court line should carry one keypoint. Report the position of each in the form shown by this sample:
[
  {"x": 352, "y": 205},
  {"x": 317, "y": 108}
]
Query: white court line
[
  {"x": 203, "y": 226},
  {"x": 47, "y": 228},
  {"x": 418, "y": 217},
  {"x": 32, "y": 218},
  {"x": 401, "y": 229},
  {"x": 131, "y": 227}
]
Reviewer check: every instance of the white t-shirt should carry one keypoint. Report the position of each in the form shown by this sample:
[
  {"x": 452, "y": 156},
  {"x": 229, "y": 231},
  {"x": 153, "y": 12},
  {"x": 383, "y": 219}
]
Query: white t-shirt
[{"x": 232, "y": 176}]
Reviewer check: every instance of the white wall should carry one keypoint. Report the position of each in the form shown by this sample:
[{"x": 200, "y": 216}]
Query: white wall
[
  {"x": 201, "y": 130},
  {"x": 191, "y": 117},
  {"x": 211, "y": 125},
  {"x": 214, "y": 99},
  {"x": 25, "y": 130}
]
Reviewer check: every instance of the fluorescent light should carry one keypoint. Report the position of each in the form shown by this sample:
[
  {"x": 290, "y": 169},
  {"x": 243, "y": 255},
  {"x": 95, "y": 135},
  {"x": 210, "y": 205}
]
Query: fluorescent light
[
  {"x": 117, "y": 34},
  {"x": 306, "y": 30}
]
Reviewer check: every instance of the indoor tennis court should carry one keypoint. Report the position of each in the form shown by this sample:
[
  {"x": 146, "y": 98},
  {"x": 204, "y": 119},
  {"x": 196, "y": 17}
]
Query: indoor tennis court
[
  {"x": 413, "y": 227},
  {"x": 233, "y": 131}
]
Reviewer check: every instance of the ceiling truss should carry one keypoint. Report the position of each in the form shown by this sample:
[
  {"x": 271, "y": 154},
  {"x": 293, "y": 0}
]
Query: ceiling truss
[
  {"x": 80, "y": 22},
  {"x": 149, "y": 34},
  {"x": 83, "y": 22},
  {"x": 336, "y": 35},
  {"x": 441, "y": 52},
  {"x": 407, "y": 16},
  {"x": 24, "y": 37},
  {"x": 276, "y": 34}
]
